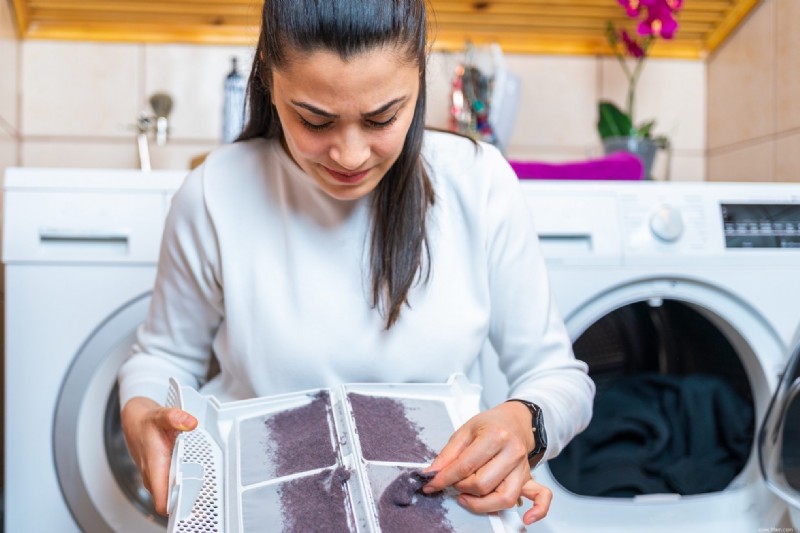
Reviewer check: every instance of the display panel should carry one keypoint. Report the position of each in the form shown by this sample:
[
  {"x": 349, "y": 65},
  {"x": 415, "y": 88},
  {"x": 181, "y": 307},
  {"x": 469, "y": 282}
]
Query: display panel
[{"x": 761, "y": 225}]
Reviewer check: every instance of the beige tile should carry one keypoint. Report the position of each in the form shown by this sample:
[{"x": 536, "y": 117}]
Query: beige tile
[
  {"x": 55, "y": 154},
  {"x": 752, "y": 162},
  {"x": 551, "y": 154},
  {"x": 194, "y": 77},
  {"x": 741, "y": 82},
  {"x": 8, "y": 153},
  {"x": 673, "y": 92},
  {"x": 787, "y": 86},
  {"x": 7, "y": 133},
  {"x": 9, "y": 69},
  {"x": 559, "y": 99},
  {"x": 9, "y": 86},
  {"x": 683, "y": 166},
  {"x": 178, "y": 156},
  {"x": 787, "y": 158},
  {"x": 82, "y": 89}
]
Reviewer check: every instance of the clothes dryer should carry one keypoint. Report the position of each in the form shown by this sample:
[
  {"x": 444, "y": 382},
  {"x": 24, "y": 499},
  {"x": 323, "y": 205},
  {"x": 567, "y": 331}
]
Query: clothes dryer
[
  {"x": 79, "y": 249},
  {"x": 676, "y": 280}
]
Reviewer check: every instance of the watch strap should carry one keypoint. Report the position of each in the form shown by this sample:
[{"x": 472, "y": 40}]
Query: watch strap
[{"x": 537, "y": 428}]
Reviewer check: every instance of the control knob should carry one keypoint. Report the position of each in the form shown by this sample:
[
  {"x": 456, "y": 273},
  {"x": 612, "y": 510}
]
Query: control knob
[{"x": 666, "y": 223}]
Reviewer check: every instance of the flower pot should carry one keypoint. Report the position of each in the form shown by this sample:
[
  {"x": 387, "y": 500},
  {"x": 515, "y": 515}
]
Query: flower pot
[{"x": 644, "y": 149}]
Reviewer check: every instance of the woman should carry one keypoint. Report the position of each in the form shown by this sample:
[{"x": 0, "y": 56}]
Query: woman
[{"x": 338, "y": 241}]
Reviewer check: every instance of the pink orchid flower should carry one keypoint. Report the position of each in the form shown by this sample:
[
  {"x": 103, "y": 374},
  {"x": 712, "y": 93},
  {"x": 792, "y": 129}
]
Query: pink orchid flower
[
  {"x": 632, "y": 47},
  {"x": 659, "y": 21},
  {"x": 631, "y": 7}
]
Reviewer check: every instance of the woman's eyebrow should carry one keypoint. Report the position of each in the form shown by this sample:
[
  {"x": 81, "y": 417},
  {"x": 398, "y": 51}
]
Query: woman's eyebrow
[
  {"x": 315, "y": 110},
  {"x": 326, "y": 114},
  {"x": 385, "y": 107}
]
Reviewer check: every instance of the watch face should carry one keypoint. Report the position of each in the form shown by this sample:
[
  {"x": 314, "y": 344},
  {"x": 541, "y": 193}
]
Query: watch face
[{"x": 535, "y": 458}]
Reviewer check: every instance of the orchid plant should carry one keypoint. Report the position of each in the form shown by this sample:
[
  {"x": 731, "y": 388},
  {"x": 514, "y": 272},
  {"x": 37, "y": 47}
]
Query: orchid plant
[{"x": 656, "y": 20}]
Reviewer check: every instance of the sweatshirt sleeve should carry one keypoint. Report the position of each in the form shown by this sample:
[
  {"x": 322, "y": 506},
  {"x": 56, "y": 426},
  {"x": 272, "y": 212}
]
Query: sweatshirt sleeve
[
  {"x": 186, "y": 306},
  {"x": 526, "y": 329}
]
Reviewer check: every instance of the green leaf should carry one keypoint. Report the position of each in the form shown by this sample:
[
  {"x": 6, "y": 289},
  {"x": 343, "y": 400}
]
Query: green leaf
[
  {"x": 612, "y": 122},
  {"x": 644, "y": 129}
]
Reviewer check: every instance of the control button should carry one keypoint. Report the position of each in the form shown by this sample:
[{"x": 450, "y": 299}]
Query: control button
[{"x": 666, "y": 223}]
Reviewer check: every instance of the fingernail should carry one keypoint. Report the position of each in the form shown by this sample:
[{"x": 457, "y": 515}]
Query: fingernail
[
  {"x": 183, "y": 424},
  {"x": 427, "y": 490}
]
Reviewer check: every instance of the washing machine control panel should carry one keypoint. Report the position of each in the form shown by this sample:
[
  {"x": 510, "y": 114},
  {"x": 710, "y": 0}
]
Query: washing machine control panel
[
  {"x": 646, "y": 223},
  {"x": 666, "y": 223},
  {"x": 657, "y": 221},
  {"x": 761, "y": 225}
]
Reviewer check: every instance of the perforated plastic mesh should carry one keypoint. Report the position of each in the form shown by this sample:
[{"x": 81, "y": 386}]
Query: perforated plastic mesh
[
  {"x": 206, "y": 513},
  {"x": 172, "y": 397}
]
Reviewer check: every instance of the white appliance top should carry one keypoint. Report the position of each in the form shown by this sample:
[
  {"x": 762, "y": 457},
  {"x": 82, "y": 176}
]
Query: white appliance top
[
  {"x": 18, "y": 178},
  {"x": 650, "y": 223},
  {"x": 85, "y": 216}
]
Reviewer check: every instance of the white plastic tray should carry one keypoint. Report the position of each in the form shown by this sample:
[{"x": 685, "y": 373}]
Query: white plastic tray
[{"x": 227, "y": 476}]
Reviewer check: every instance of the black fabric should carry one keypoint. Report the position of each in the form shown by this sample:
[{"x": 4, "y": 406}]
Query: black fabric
[{"x": 655, "y": 434}]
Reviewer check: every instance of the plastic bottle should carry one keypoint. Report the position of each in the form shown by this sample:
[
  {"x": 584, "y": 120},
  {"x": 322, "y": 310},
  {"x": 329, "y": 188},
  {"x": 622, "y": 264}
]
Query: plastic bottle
[{"x": 233, "y": 112}]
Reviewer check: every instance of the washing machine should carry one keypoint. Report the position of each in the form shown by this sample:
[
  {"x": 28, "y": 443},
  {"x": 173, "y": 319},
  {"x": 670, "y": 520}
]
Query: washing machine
[
  {"x": 79, "y": 249},
  {"x": 670, "y": 283},
  {"x": 779, "y": 453}
]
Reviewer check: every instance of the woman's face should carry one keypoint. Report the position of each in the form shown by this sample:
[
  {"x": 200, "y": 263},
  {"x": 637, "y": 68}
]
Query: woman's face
[{"x": 345, "y": 122}]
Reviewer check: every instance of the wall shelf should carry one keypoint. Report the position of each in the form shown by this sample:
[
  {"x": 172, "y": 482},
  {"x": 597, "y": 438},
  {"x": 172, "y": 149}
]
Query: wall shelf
[{"x": 520, "y": 26}]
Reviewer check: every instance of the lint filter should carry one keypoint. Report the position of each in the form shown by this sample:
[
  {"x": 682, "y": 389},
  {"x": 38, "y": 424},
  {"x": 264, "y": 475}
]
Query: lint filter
[{"x": 320, "y": 460}]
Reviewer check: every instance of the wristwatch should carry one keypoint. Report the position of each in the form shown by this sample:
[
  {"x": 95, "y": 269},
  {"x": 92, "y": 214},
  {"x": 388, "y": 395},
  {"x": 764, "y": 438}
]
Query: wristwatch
[{"x": 539, "y": 433}]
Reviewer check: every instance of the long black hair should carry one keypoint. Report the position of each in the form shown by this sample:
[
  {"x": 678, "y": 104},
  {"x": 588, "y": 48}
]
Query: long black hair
[{"x": 401, "y": 200}]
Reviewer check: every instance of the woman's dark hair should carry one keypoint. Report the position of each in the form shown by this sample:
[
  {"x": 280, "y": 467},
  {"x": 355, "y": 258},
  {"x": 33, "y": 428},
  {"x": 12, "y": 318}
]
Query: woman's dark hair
[{"x": 290, "y": 28}]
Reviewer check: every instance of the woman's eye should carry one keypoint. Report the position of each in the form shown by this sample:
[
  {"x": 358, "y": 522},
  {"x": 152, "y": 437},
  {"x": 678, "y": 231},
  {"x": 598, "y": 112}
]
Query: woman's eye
[
  {"x": 314, "y": 127},
  {"x": 383, "y": 124}
]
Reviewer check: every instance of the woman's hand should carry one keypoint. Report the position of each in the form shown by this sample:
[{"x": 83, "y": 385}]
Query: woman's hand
[
  {"x": 150, "y": 431},
  {"x": 487, "y": 461}
]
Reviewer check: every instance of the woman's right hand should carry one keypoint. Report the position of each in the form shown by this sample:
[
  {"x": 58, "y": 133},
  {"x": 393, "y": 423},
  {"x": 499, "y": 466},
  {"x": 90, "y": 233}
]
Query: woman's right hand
[{"x": 150, "y": 431}]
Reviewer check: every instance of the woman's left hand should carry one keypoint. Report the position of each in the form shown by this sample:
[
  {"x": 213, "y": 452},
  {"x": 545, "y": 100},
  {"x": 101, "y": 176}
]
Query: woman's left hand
[{"x": 487, "y": 461}]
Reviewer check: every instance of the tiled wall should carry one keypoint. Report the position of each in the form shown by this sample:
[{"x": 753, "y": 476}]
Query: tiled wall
[
  {"x": 80, "y": 99},
  {"x": 558, "y": 112},
  {"x": 9, "y": 73},
  {"x": 754, "y": 98}
]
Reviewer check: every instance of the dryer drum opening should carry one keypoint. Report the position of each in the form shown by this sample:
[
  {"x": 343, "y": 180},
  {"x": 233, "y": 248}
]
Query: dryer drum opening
[{"x": 674, "y": 408}]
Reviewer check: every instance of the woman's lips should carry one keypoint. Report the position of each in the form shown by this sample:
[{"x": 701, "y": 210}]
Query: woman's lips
[{"x": 347, "y": 177}]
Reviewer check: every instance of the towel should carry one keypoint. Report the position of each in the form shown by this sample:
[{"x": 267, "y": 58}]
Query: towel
[{"x": 616, "y": 166}]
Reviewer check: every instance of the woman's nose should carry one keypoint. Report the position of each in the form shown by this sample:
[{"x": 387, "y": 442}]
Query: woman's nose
[{"x": 351, "y": 150}]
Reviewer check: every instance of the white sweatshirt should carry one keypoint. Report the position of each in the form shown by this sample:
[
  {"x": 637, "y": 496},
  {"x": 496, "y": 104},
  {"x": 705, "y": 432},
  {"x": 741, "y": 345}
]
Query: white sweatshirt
[{"x": 261, "y": 267}]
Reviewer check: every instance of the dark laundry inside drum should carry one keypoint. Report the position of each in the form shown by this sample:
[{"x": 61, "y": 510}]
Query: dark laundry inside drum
[
  {"x": 655, "y": 434},
  {"x": 670, "y": 339},
  {"x": 673, "y": 411}
]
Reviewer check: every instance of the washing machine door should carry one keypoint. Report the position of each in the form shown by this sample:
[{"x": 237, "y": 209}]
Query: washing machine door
[
  {"x": 779, "y": 453},
  {"x": 99, "y": 481}
]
